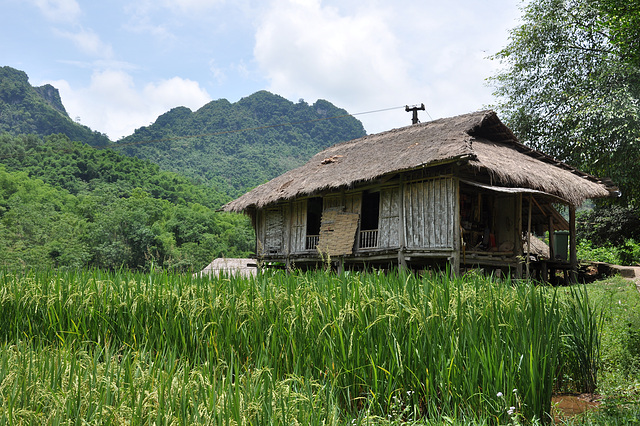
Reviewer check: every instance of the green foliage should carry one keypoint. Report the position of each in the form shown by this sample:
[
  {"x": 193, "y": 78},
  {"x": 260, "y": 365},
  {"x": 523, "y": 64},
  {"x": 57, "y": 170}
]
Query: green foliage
[
  {"x": 628, "y": 253},
  {"x": 111, "y": 227},
  {"x": 609, "y": 234},
  {"x": 609, "y": 225},
  {"x": 620, "y": 371},
  {"x": 239, "y": 146},
  {"x": 581, "y": 327},
  {"x": 571, "y": 86},
  {"x": 81, "y": 169},
  {"x": 622, "y": 20},
  {"x": 38, "y": 110}
]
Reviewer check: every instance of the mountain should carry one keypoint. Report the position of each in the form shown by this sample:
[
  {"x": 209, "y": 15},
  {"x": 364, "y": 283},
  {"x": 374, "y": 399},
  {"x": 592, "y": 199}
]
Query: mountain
[
  {"x": 232, "y": 147},
  {"x": 238, "y": 146},
  {"x": 25, "y": 109},
  {"x": 64, "y": 203}
]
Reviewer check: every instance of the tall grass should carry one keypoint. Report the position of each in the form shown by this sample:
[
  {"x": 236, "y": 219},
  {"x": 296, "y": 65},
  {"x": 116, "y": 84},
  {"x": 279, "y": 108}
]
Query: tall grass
[{"x": 279, "y": 348}]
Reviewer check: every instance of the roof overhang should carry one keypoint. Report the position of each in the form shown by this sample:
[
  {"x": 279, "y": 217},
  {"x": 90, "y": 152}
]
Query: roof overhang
[
  {"x": 547, "y": 210},
  {"x": 510, "y": 190}
]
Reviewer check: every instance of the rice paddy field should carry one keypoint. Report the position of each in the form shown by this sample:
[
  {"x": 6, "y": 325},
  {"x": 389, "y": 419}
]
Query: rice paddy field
[{"x": 93, "y": 347}]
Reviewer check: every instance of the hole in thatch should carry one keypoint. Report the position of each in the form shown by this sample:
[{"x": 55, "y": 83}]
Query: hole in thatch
[
  {"x": 332, "y": 159},
  {"x": 285, "y": 185}
]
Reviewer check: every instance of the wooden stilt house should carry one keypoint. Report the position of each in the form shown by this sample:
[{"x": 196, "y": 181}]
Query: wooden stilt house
[{"x": 460, "y": 190}]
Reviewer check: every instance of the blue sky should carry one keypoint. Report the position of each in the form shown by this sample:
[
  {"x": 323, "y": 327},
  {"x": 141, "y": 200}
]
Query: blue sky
[{"x": 120, "y": 64}]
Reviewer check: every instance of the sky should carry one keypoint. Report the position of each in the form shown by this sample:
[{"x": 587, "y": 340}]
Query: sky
[{"x": 119, "y": 64}]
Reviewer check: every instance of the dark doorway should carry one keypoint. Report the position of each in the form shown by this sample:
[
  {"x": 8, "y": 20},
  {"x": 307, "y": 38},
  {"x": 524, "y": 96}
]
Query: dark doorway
[
  {"x": 314, "y": 215},
  {"x": 370, "y": 211}
]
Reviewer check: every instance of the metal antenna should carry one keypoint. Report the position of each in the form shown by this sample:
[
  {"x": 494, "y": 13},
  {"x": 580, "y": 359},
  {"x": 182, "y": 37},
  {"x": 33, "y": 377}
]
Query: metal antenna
[{"x": 414, "y": 109}]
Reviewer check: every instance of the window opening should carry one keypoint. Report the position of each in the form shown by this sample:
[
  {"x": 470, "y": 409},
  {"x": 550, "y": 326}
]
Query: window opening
[
  {"x": 314, "y": 220},
  {"x": 369, "y": 219}
]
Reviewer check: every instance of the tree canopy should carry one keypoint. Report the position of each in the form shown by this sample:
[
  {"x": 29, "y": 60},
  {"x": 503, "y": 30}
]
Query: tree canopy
[
  {"x": 66, "y": 204},
  {"x": 571, "y": 85}
]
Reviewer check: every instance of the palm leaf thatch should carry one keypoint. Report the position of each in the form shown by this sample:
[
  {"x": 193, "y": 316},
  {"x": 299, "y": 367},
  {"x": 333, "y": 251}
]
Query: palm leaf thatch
[{"x": 478, "y": 140}]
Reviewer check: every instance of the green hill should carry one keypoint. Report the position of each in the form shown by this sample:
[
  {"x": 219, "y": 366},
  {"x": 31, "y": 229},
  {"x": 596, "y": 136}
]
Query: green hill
[
  {"x": 66, "y": 204},
  {"x": 243, "y": 144},
  {"x": 25, "y": 109}
]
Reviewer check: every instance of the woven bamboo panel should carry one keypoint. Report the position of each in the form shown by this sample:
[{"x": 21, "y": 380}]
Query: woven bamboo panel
[{"x": 337, "y": 232}]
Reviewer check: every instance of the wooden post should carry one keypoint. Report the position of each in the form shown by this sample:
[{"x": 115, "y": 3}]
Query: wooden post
[
  {"x": 402, "y": 263},
  {"x": 552, "y": 240},
  {"x": 573, "y": 262},
  {"x": 457, "y": 234},
  {"x": 528, "y": 261},
  {"x": 517, "y": 243}
]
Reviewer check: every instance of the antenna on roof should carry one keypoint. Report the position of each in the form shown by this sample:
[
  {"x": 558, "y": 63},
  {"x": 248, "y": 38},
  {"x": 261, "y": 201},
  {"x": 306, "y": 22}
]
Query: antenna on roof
[{"x": 414, "y": 109}]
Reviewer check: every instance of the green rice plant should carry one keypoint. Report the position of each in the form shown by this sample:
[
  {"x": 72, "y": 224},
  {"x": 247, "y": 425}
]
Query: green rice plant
[
  {"x": 581, "y": 339},
  {"x": 42, "y": 385},
  {"x": 316, "y": 347}
]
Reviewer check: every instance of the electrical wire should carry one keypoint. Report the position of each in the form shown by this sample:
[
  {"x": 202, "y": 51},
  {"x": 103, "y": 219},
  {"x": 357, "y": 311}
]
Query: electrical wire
[
  {"x": 225, "y": 132},
  {"x": 246, "y": 129}
]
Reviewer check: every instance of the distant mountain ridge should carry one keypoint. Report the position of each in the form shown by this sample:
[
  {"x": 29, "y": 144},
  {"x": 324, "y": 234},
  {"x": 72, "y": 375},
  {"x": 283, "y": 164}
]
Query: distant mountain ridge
[
  {"x": 231, "y": 147},
  {"x": 25, "y": 109},
  {"x": 243, "y": 144}
]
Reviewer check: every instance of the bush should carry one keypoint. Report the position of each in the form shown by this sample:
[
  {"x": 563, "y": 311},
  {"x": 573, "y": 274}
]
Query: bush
[
  {"x": 609, "y": 225},
  {"x": 627, "y": 253}
]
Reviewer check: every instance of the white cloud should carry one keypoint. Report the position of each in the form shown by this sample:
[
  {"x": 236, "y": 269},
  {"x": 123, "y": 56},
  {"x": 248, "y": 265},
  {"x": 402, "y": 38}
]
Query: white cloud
[
  {"x": 192, "y": 5},
  {"x": 311, "y": 51},
  {"x": 141, "y": 22},
  {"x": 88, "y": 42},
  {"x": 372, "y": 56},
  {"x": 218, "y": 74},
  {"x": 59, "y": 10},
  {"x": 175, "y": 92},
  {"x": 114, "y": 105}
]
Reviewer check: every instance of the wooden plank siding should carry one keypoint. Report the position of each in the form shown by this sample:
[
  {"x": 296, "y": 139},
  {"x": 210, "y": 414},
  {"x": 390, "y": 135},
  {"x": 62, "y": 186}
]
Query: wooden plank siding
[
  {"x": 353, "y": 202},
  {"x": 429, "y": 218},
  {"x": 298, "y": 226},
  {"x": 274, "y": 231},
  {"x": 350, "y": 203},
  {"x": 389, "y": 219},
  {"x": 430, "y": 209}
]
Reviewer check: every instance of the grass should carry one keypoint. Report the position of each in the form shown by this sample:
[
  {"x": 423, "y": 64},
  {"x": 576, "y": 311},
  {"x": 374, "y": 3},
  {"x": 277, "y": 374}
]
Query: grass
[{"x": 116, "y": 348}]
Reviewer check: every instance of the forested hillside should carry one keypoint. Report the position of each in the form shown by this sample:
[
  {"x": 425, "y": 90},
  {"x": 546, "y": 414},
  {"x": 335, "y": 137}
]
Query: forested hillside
[
  {"x": 65, "y": 204},
  {"x": 243, "y": 144},
  {"x": 25, "y": 109},
  {"x": 67, "y": 199}
]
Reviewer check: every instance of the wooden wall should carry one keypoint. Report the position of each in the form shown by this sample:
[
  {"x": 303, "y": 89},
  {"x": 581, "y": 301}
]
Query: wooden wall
[
  {"x": 270, "y": 231},
  {"x": 389, "y": 219},
  {"x": 429, "y": 207},
  {"x": 430, "y": 213},
  {"x": 298, "y": 225}
]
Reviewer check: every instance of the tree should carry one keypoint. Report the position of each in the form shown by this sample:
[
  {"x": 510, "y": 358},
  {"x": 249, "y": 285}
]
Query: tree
[
  {"x": 622, "y": 18},
  {"x": 571, "y": 86}
]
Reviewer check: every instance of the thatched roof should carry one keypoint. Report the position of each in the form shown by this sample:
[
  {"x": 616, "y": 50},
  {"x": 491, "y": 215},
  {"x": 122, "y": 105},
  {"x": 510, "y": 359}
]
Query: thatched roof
[{"x": 478, "y": 139}]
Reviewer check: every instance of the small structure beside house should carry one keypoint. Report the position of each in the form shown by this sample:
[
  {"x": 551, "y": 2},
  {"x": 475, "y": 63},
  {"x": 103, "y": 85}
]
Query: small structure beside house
[
  {"x": 460, "y": 190},
  {"x": 229, "y": 267}
]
